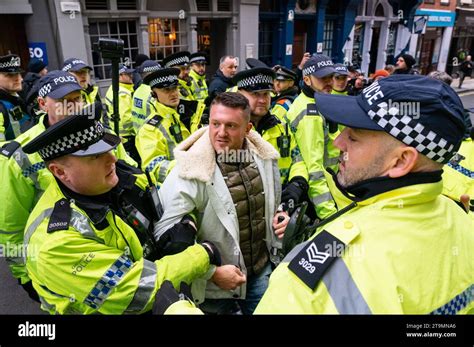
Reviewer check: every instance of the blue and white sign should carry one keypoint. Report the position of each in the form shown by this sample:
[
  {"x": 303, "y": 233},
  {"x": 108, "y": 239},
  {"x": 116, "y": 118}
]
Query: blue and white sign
[
  {"x": 38, "y": 50},
  {"x": 438, "y": 18}
]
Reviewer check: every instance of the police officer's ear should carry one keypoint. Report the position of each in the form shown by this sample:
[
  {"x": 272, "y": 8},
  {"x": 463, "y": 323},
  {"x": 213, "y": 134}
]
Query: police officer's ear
[
  {"x": 42, "y": 104},
  {"x": 57, "y": 168},
  {"x": 153, "y": 94},
  {"x": 307, "y": 80},
  {"x": 403, "y": 160}
]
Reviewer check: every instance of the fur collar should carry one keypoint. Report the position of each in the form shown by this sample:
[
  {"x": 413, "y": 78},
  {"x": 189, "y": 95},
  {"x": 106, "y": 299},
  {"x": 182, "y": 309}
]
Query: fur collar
[{"x": 196, "y": 158}]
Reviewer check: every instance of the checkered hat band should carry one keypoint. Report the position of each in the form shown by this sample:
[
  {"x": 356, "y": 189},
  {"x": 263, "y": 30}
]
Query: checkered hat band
[
  {"x": 151, "y": 68},
  {"x": 254, "y": 80},
  {"x": 309, "y": 70},
  {"x": 161, "y": 80},
  {"x": 45, "y": 90},
  {"x": 15, "y": 62},
  {"x": 412, "y": 133},
  {"x": 76, "y": 140},
  {"x": 177, "y": 61},
  {"x": 194, "y": 59}
]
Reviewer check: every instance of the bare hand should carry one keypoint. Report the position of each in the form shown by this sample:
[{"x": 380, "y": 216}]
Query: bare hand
[
  {"x": 280, "y": 227},
  {"x": 305, "y": 58},
  {"x": 465, "y": 201},
  {"x": 228, "y": 277}
]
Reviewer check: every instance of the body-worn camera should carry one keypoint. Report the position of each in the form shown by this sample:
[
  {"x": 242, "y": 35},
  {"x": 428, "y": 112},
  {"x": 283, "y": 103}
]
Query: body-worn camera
[{"x": 110, "y": 48}]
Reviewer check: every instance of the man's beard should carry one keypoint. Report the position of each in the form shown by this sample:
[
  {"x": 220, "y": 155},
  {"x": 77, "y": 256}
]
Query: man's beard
[{"x": 351, "y": 177}]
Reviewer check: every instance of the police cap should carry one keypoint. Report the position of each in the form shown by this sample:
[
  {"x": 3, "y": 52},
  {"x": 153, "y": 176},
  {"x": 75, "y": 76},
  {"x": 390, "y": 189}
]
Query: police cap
[
  {"x": 10, "y": 63},
  {"x": 256, "y": 79},
  {"x": 149, "y": 66},
  {"x": 163, "y": 78},
  {"x": 74, "y": 65},
  {"x": 176, "y": 59},
  {"x": 319, "y": 65},
  {"x": 57, "y": 84},
  {"x": 419, "y": 111},
  {"x": 198, "y": 57},
  {"x": 284, "y": 74},
  {"x": 78, "y": 135}
]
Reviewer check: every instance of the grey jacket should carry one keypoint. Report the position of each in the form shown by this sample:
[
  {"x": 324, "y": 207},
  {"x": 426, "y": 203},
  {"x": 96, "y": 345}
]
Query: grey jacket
[{"x": 196, "y": 184}]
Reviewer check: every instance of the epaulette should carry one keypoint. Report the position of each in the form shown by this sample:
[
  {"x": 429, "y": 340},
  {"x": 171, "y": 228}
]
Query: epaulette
[
  {"x": 155, "y": 121},
  {"x": 8, "y": 149},
  {"x": 60, "y": 217}
]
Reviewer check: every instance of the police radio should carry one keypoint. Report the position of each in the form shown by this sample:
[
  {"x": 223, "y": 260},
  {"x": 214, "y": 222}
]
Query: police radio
[
  {"x": 283, "y": 143},
  {"x": 175, "y": 130},
  {"x": 16, "y": 113}
]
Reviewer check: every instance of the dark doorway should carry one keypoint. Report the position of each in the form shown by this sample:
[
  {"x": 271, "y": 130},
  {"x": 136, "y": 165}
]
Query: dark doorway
[
  {"x": 212, "y": 35},
  {"x": 374, "y": 49},
  {"x": 14, "y": 37},
  {"x": 300, "y": 39}
]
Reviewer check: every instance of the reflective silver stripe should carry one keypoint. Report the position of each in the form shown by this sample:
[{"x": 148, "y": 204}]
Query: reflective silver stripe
[
  {"x": 317, "y": 175},
  {"x": 343, "y": 291},
  {"x": 297, "y": 120},
  {"x": 10, "y": 232},
  {"x": 148, "y": 103},
  {"x": 47, "y": 305},
  {"x": 321, "y": 198},
  {"x": 146, "y": 285},
  {"x": 163, "y": 169},
  {"x": 296, "y": 159},
  {"x": 171, "y": 143},
  {"x": 33, "y": 226},
  {"x": 82, "y": 224},
  {"x": 2, "y": 137},
  {"x": 332, "y": 161}
]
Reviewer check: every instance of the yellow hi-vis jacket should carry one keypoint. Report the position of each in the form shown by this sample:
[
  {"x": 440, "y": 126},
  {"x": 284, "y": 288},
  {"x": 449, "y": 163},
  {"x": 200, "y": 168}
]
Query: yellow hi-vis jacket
[
  {"x": 90, "y": 95},
  {"x": 125, "y": 92},
  {"x": 157, "y": 139},
  {"x": 315, "y": 141},
  {"x": 143, "y": 105},
  {"x": 185, "y": 90},
  {"x": 458, "y": 174},
  {"x": 24, "y": 178},
  {"x": 407, "y": 251},
  {"x": 78, "y": 268},
  {"x": 198, "y": 86},
  {"x": 290, "y": 162}
]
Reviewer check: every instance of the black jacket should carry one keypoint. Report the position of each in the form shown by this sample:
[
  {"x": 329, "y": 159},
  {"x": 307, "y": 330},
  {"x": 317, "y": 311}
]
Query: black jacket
[{"x": 218, "y": 85}]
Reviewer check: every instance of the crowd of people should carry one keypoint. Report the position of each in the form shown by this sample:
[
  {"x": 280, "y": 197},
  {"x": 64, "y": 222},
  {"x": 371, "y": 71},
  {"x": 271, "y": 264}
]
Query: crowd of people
[{"x": 207, "y": 183}]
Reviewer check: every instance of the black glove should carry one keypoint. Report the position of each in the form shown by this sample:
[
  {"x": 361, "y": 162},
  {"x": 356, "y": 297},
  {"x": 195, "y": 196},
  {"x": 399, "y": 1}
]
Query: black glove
[
  {"x": 28, "y": 287},
  {"x": 213, "y": 252},
  {"x": 294, "y": 193},
  {"x": 167, "y": 295},
  {"x": 176, "y": 239}
]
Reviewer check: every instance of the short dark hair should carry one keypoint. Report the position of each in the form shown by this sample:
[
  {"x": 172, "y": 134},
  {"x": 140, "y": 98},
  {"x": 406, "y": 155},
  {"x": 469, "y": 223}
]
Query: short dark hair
[{"x": 233, "y": 100}]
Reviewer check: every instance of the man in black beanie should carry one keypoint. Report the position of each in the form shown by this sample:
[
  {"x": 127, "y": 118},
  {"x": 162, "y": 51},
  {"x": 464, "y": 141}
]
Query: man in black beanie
[
  {"x": 404, "y": 65},
  {"x": 36, "y": 70}
]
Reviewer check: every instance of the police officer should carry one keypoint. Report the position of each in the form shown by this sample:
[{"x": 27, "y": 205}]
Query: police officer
[
  {"x": 256, "y": 84},
  {"x": 340, "y": 80},
  {"x": 12, "y": 110},
  {"x": 286, "y": 91},
  {"x": 83, "y": 255},
  {"x": 313, "y": 134},
  {"x": 197, "y": 74},
  {"x": 125, "y": 92},
  {"x": 379, "y": 254},
  {"x": 79, "y": 69},
  {"x": 143, "y": 100},
  {"x": 163, "y": 129},
  {"x": 180, "y": 60},
  {"x": 24, "y": 177}
]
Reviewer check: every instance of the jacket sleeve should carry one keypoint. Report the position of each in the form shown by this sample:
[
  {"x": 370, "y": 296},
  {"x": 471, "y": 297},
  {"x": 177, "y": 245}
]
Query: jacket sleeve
[
  {"x": 196, "y": 118},
  {"x": 298, "y": 167},
  {"x": 107, "y": 280},
  {"x": 18, "y": 194},
  {"x": 311, "y": 141},
  {"x": 2, "y": 128},
  {"x": 154, "y": 152},
  {"x": 126, "y": 120}
]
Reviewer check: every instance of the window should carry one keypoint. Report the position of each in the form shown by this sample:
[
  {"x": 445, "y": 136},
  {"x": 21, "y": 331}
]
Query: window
[
  {"x": 358, "y": 44},
  {"x": 328, "y": 37},
  {"x": 96, "y": 5},
  {"x": 126, "y": 4},
  {"x": 223, "y": 5},
  {"x": 165, "y": 37},
  {"x": 203, "y": 5},
  {"x": 117, "y": 29},
  {"x": 265, "y": 42}
]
